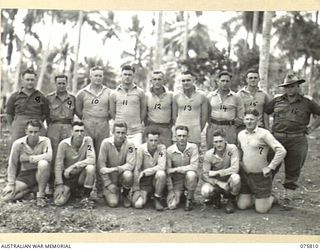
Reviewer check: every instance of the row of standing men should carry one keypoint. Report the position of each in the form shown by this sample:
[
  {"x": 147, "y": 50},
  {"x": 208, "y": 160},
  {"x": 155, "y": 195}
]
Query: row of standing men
[{"x": 222, "y": 108}]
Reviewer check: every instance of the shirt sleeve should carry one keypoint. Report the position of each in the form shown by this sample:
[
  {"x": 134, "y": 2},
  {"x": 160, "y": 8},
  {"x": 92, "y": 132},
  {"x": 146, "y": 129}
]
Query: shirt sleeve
[
  {"x": 130, "y": 159},
  {"x": 90, "y": 154},
  {"x": 137, "y": 168},
  {"x": 45, "y": 108},
  {"x": 169, "y": 166},
  {"x": 194, "y": 160},
  {"x": 46, "y": 152},
  {"x": 10, "y": 105},
  {"x": 112, "y": 104},
  {"x": 269, "y": 108},
  {"x": 240, "y": 109},
  {"x": 13, "y": 162},
  {"x": 102, "y": 162},
  {"x": 206, "y": 166},
  {"x": 161, "y": 164},
  {"x": 79, "y": 104},
  {"x": 59, "y": 163},
  {"x": 315, "y": 108},
  {"x": 234, "y": 163},
  {"x": 276, "y": 146}
]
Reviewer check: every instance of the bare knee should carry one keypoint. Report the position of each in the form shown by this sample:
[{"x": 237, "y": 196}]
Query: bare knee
[
  {"x": 191, "y": 176},
  {"x": 139, "y": 203},
  {"x": 263, "y": 205},
  {"x": 235, "y": 179},
  {"x": 206, "y": 190},
  {"x": 160, "y": 175},
  {"x": 244, "y": 201},
  {"x": 90, "y": 170},
  {"x": 43, "y": 166}
]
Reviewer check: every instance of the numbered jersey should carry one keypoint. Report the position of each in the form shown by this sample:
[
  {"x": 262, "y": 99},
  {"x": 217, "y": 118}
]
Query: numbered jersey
[
  {"x": 159, "y": 108},
  {"x": 257, "y": 101},
  {"x": 189, "y": 114},
  {"x": 93, "y": 105},
  {"x": 128, "y": 107},
  {"x": 255, "y": 147},
  {"x": 225, "y": 110}
]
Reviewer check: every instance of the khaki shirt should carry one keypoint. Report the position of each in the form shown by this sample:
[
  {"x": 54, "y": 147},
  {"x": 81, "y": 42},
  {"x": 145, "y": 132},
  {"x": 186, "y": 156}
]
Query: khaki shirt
[
  {"x": 255, "y": 147},
  {"x": 226, "y": 165},
  {"x": 110, "y": 157},
  {"x": 35, "y": 106},
  {"x": 292, "y": 117},
  {"x": 61, "y": 109},
  {"x": 67, "y": 156},
  {"x": 42, "y": 151}
]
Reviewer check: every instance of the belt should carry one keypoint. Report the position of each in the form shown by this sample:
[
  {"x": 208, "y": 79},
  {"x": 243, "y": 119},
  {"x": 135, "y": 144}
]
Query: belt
[
  {"x": 150, "y": 123},
  {"x": 276, "y": 134},
  {"x": 222, "y": 122},
  {"x": 62, "y": 121}
]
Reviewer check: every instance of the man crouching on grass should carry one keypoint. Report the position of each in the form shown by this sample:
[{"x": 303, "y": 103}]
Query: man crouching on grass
[
  {"x": 220, "y": 172},
  {"x": 256, "y": 172},
  {"x": 116, "y": 161},
  {"x": 149, "y": 172},
  {"x": 32, "y": 154},
  {"x": 75, "y": 166}
]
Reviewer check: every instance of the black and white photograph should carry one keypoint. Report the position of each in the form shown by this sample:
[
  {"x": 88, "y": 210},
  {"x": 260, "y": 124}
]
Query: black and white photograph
[{"x": 170, "y": 122}]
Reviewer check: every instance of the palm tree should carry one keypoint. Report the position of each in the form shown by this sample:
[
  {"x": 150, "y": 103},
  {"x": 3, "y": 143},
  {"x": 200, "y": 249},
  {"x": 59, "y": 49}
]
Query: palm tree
[{"x": 265, "y": 49}]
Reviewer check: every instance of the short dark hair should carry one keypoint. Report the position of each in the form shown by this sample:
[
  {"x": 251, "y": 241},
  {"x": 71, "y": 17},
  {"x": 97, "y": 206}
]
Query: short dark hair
[
  {"x": 252, "y": 111},
  {"x": 29, "y": 71},
  {"x": 181, "y": 127},
  {"x": 34, "y": 123},
  {"x": 256, "y": 71},
  {"x": 187, "y": 72},
  {"x": 128, "y": 67},
  {"x": 120, "y": 125},
  {"x": 219, "y": 132},
  {"x": 77, "y": 123},
  {"x": 60, "y": 76},
  {"x": 224, "y": 73},
  {"x": 152, "y": 131}
]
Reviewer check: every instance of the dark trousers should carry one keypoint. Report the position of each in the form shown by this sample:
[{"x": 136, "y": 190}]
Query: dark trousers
[{"x": 297, "y": 148}]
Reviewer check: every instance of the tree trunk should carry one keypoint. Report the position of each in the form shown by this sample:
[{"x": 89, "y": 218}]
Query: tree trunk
[
  {"x": 159, "y": 46},
  {"x": 186, "y": 31},
  {"x": 311, "y": 85},
  {"x": 255, "y": 28},
  {"x": 75, "y": 69},
  {"x": 265, "y": 50},
  {"x": 18, "y": 70}
]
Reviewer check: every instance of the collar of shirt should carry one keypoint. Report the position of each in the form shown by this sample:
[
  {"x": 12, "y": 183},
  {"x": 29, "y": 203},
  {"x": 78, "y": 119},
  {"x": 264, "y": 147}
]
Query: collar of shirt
[
  {"x": 163, "y": 94},
  {"x": 253, "y": 132},
  {"x": 111, "y": 141},
  {"x": 87, "y": 88},
  {"x": 285, "y": 97},
  {"x": 245, "y": 89},
  {"x": 68, "y": 141},
  {"x": 22, "y": 92},
  {"x": 68, "y": 96},
  {"x": 120, "y": 87},
  {"x": 216, "y": 92},
  {"x": 24, "y": 140},
  {"x": 176, "y": 150},
  {"x": 146, "y": 151}
]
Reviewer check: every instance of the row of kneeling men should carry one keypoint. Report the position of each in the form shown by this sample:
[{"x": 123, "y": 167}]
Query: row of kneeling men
[{"x": 128, "y": 175}]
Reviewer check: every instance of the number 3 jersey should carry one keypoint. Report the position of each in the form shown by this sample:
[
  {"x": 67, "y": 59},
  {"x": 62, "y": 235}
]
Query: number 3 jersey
[
  {"x": 255, "y": 146},
  {"x": 67, "y": 156}
]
